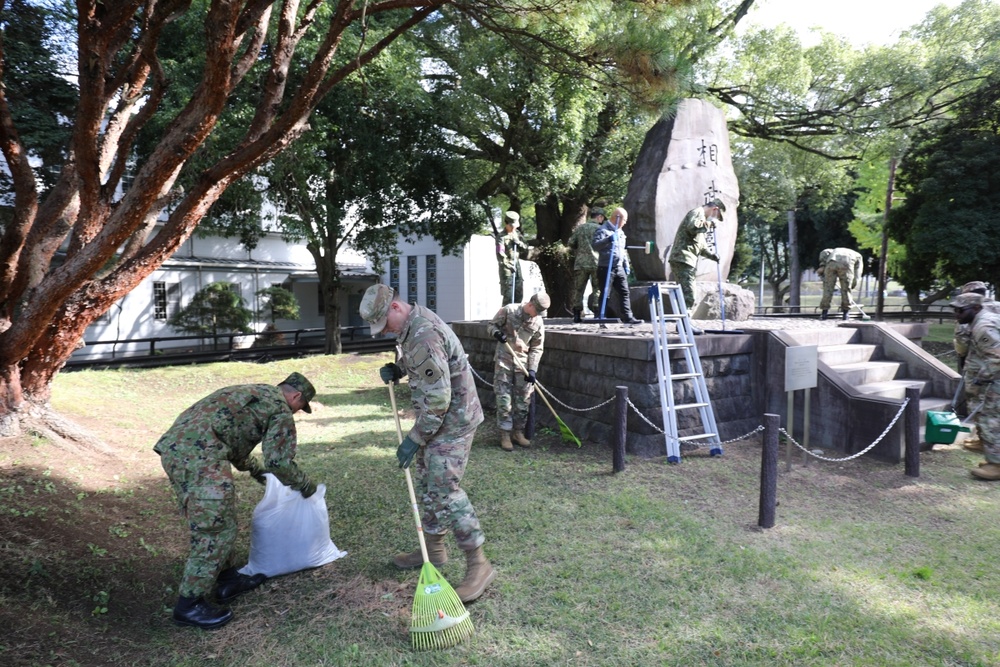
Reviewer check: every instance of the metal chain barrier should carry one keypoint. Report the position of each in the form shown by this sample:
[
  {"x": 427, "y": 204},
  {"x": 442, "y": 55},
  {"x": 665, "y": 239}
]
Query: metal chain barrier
[
  {"x": 852, "y": 456},
  {"x": 479, "y": 377},
  {"x": 548, "y": 393}
]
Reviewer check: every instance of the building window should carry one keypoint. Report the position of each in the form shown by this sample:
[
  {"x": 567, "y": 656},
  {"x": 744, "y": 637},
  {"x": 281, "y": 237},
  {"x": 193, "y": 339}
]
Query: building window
[
  {"x": 412, "y": 292},
  {"x": 166, "y": 297},
  {"x": 432, "y": 290},
  {"x": 394, "y": 274}
]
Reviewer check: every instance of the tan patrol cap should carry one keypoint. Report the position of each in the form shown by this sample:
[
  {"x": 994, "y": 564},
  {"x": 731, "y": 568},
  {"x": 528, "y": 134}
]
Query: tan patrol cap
[
  {"x": 512, "y": 218},
  {"x": 375, "y": 306},
  {"x": 299, "y": 382},
  {"x": 540, "y": 301},
  {"x": 967, "y": 299}
]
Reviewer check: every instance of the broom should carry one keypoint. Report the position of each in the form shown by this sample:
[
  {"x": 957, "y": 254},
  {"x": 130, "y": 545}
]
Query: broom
[
  {"x": 439, "y": 619},
  {"x": 567, "y": 435}
]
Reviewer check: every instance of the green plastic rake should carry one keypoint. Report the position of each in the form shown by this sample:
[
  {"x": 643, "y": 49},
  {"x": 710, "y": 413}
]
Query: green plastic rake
[
  {"x": 439, "y": 619},
  {"x": 567, "y": 435}
]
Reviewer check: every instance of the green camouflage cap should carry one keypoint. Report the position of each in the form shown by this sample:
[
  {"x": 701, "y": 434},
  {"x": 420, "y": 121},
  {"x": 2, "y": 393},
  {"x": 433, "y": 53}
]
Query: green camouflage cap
[
  {"x": 716, "y": 202},
  {"x": 299, "y": 382},
  {"x": 967, "y": 299},
  {"x": 375, "y": 306}
]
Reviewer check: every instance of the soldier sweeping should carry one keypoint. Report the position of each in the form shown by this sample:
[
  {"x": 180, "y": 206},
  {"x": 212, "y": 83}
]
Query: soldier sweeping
[
  {"x": 522, "y": 327},
  {"x": 510, "y": 248},
  {"x": 447, "y": 414},
  {"x": 984, "y": 347},
  {"x": 843, "y": 265},
  {"x": 206, "y": 441}
]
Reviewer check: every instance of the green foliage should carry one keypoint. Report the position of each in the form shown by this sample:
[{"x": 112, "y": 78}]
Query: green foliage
[
  {"x": 278, "y": 303},
  {"x": 214, "y": 309}
]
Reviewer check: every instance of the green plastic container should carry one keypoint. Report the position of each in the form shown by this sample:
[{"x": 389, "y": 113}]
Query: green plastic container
[{"x": 943, "y": 427}]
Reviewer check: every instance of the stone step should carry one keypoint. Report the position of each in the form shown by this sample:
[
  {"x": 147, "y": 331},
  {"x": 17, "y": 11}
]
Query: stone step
[
  {"x": 890, "y": 388},
  {"x": 834, "y": 355},
  {"x": 824, "y": 337},
  {"x": 866, "y": 372}
]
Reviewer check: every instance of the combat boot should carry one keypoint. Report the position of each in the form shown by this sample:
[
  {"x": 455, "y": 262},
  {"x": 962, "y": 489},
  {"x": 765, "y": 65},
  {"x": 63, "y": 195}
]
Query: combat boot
[
  {"x": 845, "y": 314},
  {"x": 505, "y": 443},
  {"x": 233, "y": 584},
  {"x": 437, "y": 553},
  {"x": 520, "y": 440},
  {"x": 824, "y": 314},
  {"x": 989, "y": 472},
  {"x": 973, "y": 444},
  {"x": 577, "y": 316},
  {"x": 478, "y": 575},
  {"x": 198, "y": 613}
]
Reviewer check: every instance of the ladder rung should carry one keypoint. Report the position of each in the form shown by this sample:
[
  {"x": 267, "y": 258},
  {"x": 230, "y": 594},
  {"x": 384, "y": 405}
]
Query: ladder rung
[
  {"x": 669, "y": 316},
  {"x": 700, "y": 436},
  {"x": 677, "y": 346},
  {"x": 688, "y": 406},
  {"x": 684, "y": 376}
]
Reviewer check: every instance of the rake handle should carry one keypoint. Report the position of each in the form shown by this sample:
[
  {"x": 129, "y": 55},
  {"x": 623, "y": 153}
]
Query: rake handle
[
  {"x": 520, "y": 367},
  {"x": 409, "y": 480}
]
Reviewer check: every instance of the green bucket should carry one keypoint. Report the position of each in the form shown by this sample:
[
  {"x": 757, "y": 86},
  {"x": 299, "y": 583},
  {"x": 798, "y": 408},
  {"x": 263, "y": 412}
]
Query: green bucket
[{"x": 943, "y": 427}]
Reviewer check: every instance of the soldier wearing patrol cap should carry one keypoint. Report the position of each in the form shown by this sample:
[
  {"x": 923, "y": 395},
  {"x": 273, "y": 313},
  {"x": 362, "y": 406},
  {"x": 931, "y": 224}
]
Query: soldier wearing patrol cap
[
  {"x": 447, "y": 414},
  {"x": 510, "y": 248},
  {"x": 962, "y": 343},
  {"x": 198, "y": 452},
  {"x": 690, "y": 243},
  {"x": 521, "y": 329},
  {"x": 984, "y": 346}
]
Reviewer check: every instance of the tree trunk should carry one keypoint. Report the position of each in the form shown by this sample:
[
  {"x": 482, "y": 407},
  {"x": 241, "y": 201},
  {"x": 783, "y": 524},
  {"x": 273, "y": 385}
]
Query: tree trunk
[{"x": 556, "y": 219}]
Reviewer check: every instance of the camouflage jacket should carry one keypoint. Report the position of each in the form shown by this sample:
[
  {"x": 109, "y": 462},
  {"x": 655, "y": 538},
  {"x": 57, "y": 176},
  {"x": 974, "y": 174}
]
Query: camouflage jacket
[
  {"x": 441, "y": 383},
  {"x": 510, "y": 246},
  {"x": 580, "y": 244},
  {"x": 229, "y": 423},
  {"x": 985, "y": 347},
  {"x": 525, "y": 335},
  {"x": 963, "y": 336},
  {"x": 842, "y": 259},
  {"x": 690, "y": 241}
]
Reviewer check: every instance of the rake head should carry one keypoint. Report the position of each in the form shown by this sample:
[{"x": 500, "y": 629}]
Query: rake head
[{"x": 439, "y": 617}]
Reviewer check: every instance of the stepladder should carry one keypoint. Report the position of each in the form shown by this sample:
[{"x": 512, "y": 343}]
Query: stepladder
[{"x": 684, "y": 395}]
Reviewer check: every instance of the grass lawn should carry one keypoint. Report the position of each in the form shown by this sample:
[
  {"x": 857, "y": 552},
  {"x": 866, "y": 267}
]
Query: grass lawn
[{"x": 658, "y": 565}]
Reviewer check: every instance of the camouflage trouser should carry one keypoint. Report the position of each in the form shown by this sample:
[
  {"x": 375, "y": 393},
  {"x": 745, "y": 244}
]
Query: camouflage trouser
[
  {"x": 207, "y": 500},
  {"x": 510, "y": 388},
  {"x": 685, "y": 276},
  {"x": 988, "y": 422},
  {"x": 507, "y": 277},
  {"x": 438, "y": 470},
  {"x": 580, "y": 279},
  {"x": 831, "y": 276}
]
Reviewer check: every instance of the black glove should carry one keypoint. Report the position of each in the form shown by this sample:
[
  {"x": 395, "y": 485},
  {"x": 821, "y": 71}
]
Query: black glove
[
  {"x": 406, "y": 451},
  {"x": 257, "y": 472},
  {"x": 530, "y": 377},
  {"x": 961, "y": 364},
  {"x": 500, "y": 336},
  {"x": 390, "y": 373},
  {"x": 308, "y": 489}
]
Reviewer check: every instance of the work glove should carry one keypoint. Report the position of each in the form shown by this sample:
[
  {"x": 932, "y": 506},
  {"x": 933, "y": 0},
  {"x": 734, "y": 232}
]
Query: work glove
[
  {"x": 500, "y": 336},
  {"x": 406, "y": 451},
  {"x": 257, "y": 472},
  {"x": 530, "y": 377},
  {"x": 390, "y": 373},
  {"x": 714, "y": 258},
  {"x": 308, "y": 489}
]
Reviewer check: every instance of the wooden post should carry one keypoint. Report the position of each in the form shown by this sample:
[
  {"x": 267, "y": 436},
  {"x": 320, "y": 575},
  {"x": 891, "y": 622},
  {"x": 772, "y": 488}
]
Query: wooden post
[
  {"x": 790, "y": 424},
  {"x": 621, "y": 420},
  {"x": 911, "y": 431},
  {"x": 769, "y": 472},
  {"x": 805, "y": 429}
]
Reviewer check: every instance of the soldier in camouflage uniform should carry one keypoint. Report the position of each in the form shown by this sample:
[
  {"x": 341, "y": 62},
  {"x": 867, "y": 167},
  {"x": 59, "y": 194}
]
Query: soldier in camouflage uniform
[
  {"x": 690, "y": 243},
  {"x": 511, "y": 247},
  {"x": 967, "y": 359},
  {"x": 447, "y": 414},
  {"x": 984, "y": 345},
  {"x": 207, "y": 440},
  {"x": 585, "y": 264},
  {"x": 843, "y": 265},
  {"x": 519, "y": 328}
]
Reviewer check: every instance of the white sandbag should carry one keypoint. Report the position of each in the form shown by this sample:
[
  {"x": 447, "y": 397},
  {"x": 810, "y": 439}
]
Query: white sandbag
[{"x": 288, "y": 532}]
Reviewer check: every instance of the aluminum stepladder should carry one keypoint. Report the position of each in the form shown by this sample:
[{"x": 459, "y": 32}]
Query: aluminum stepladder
[{"x": 692, "y": 371}]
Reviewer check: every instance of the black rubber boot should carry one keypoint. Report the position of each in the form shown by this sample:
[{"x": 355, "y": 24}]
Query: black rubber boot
[
  {"x": 199, "y": 614},
  {"x": 229, "y": 590},
  {"x": 846, "y": 313},
  {"x": 824, "y": 314},
  {"x": 577, "y": 319}
]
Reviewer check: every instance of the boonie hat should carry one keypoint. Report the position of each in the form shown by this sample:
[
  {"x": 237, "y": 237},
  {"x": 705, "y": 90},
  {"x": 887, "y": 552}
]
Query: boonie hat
[
  {"x": 717, "y": 202},
  {"x": 540, "y": 301},
  {"x": 375, "y": 306},
  {"x": 975, "y": 286},
  {"x": 967, "y": 299},
  {"x": 299, "y": 382}
]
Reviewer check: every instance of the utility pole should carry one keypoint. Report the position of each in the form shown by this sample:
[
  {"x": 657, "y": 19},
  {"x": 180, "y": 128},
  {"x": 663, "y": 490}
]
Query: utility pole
[{"x": 885, "y": 242}]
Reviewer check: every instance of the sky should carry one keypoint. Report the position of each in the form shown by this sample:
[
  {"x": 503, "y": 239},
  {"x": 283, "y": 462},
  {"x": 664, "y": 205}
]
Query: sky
[{"x": 860, "y": 21}]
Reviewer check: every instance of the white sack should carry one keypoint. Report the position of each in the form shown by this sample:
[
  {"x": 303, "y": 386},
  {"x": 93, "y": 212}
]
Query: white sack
[{"x": 288, "y": 532}]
